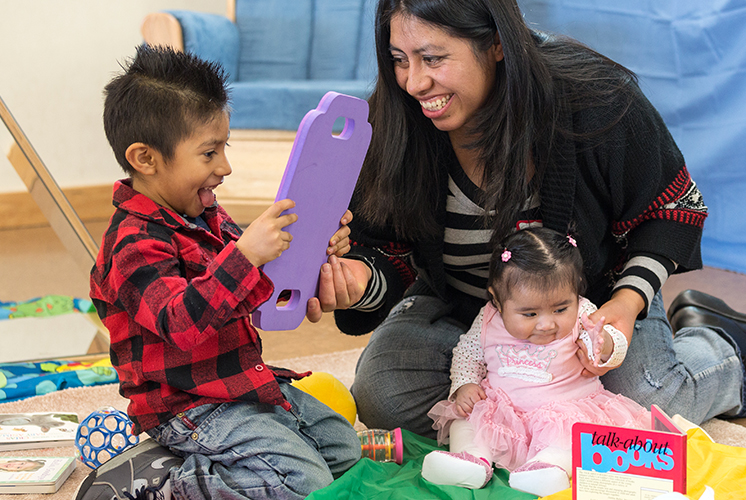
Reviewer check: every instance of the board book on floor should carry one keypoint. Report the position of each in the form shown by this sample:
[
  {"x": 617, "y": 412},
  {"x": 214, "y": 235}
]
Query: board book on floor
[
  {"x": 34, "y": 474},
  {"x": 611, "y": 462},
  {"x": 37, "y": 430}
]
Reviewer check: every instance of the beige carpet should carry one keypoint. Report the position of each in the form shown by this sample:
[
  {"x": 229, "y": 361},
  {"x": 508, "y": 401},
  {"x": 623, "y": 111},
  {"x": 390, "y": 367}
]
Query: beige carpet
[{"x": 84, "y": 401}]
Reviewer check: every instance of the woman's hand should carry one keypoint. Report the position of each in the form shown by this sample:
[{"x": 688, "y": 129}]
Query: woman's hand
[
  {"x": 603, "y": 344},
  {"x": 466, "y": 397},
  {"x": 341, "y": 284},
  {"x": 620, "y": 311}
]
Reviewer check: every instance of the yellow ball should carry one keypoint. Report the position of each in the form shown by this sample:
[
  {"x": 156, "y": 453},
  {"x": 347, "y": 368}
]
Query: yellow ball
[{"x": 330, "y": 391}]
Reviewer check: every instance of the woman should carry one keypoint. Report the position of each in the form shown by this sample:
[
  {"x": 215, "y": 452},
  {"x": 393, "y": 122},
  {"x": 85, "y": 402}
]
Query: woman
[{"x": 482, "y": 126}]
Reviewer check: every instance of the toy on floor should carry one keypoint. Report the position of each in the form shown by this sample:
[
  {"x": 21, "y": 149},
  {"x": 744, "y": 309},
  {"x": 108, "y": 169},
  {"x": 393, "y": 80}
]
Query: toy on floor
[
  {"x": 377, "y": 444},
  {"x": 382, "y": 445},
  {"x": 49, "y": 305},
  {"x": 320, "y": 176},
  {"x": 103, "y": 434},
  {"x": 330, "y": 391}
]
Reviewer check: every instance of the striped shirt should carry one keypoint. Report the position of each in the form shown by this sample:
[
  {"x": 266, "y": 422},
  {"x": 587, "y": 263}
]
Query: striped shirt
[{"x": 466, "y": 250}]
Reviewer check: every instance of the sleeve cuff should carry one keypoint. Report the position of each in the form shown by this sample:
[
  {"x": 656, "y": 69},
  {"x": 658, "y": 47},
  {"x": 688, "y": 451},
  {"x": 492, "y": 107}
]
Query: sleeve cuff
[{"x": 645, "y": 273}]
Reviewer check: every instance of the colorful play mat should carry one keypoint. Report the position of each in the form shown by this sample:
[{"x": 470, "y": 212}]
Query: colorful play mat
[
  {"x": 49, "y": 305},
  {"x": 26, "y": 379}
]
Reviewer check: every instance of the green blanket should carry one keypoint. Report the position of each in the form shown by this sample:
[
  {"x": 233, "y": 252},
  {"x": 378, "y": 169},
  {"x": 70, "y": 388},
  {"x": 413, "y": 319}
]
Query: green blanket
[{"x": 369, "y": 480}]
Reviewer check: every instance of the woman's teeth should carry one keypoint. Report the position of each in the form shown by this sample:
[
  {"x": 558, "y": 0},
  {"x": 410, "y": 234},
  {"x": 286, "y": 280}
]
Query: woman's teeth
[{"x": 436, "y": 104}]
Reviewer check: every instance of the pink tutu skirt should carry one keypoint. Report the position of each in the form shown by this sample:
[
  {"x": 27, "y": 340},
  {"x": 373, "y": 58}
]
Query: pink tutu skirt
[{"x": 515, "y": 436}]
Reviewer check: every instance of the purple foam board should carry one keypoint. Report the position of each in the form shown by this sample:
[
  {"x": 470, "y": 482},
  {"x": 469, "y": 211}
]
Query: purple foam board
[{"x": 320, "y": 177}]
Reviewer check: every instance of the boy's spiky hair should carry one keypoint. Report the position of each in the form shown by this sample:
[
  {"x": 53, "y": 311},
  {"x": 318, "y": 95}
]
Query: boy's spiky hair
[{"x": 159, "y": 100}]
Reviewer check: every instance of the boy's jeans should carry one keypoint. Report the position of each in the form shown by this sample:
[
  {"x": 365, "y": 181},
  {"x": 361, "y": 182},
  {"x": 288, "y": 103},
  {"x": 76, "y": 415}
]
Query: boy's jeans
[{"x": 255, "y": 450}]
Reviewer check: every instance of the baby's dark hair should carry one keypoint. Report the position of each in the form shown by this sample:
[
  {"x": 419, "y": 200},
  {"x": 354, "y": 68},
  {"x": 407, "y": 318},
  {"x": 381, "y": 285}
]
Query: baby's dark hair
[
  {"x": 539, "y": 258},
  {"x": 159, "y": 100}
]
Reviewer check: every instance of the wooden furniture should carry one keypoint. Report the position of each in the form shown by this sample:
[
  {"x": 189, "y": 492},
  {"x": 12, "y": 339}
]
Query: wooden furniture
[
  {"x": 318, "y": 65},
  {"x": 280, "y": 56},
  {"x": 48, "y": 195},
  {"x": 262, "y": 154},
  {"x": 56, "y": 208}
]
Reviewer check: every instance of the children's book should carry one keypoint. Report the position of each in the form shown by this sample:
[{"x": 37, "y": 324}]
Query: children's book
[
  {"x": 37, "y": 430},
  {"x": 34, "y": 474},
  {"x": 611, "y": 463}
]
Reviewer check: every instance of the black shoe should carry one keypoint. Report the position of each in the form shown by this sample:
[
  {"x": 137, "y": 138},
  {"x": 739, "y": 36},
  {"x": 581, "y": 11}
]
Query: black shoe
[
  {"x": 140, "y": 472},
  {"x": 695, "y": 316},
  {"x": 705, "y": 302}
]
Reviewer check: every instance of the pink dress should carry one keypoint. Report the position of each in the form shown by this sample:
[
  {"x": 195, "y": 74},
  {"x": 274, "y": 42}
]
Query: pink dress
[{"x": 535, "y": 393}]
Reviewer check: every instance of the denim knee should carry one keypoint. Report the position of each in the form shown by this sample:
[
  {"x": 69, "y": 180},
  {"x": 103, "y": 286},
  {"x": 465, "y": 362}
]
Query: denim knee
[
  {"x": 324, "y": 430},
  {"x": 405, "y": 369},
  {"x": 255, "y": 477},
  {"x": 259, "y": 450},
  {"x": 696, "y": 374}
]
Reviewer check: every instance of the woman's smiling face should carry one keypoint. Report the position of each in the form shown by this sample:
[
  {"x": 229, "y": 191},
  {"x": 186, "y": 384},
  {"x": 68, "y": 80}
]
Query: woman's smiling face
[{"x": 441, "y": 71}]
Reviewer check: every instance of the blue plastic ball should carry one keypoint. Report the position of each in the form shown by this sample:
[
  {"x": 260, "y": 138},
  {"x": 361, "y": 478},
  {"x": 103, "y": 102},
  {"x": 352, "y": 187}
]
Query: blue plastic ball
[{"x": 103, "y": 434}]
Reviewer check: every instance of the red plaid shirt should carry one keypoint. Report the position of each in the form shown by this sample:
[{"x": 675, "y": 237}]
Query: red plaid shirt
[{"x": 177, "y": 301}]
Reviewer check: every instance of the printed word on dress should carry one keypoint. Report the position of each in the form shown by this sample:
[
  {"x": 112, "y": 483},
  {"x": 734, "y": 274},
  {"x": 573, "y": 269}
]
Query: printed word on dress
[{"x": 526, "y": 362}]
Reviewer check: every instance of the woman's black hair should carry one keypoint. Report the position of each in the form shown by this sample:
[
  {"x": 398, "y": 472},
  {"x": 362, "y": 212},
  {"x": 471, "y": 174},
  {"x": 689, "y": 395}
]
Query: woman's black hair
[
  {"x": 538, "y": 258},
  {"x": 540, "y": 78}
]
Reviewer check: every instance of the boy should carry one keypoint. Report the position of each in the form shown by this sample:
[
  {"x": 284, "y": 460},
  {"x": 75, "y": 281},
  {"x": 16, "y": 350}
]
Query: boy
[{"x": 175, "y": 283}]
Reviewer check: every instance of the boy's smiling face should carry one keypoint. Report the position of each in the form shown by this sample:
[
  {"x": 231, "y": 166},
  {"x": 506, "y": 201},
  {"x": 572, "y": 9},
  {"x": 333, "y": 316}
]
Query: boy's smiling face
[{"x": 185, "y": 183}]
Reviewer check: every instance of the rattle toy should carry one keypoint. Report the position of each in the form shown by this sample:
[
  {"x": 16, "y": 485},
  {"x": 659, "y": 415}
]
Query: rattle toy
[
  {"x": 382, "y": 445},
  {"x": 104, "y": 434}
]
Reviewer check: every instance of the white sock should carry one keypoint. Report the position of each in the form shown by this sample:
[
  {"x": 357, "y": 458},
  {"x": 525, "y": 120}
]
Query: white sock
[
  {"x": 461, "y": 438},
  {"x": 456, "y": 469},
  {"x": 539, "y": 478},
  {"x": 467, "y": 464},
  {"x": 561, "y": 457}
]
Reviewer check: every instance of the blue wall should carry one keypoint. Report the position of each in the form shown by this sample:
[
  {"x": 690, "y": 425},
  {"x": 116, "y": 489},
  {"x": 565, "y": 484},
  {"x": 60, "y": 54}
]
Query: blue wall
[{"x": 690, "y": 56}]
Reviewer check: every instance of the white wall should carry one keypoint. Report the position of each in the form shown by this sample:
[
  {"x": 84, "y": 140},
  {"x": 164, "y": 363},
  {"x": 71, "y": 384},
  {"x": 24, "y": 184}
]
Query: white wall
[{"x": 55, "y": 58}]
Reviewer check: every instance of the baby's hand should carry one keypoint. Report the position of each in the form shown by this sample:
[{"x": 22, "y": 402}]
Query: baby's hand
[
  {"x": 339, "y": 244},
  {"x": 467, "y": 396},
  {"x": 264, "y": 240},
  {"x": 602, "y": 344}
]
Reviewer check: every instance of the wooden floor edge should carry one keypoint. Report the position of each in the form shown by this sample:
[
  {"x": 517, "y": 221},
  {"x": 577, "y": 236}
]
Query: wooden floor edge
[
  {"x": 264, "y": 148},
  {"x": 92, "y": 203}
]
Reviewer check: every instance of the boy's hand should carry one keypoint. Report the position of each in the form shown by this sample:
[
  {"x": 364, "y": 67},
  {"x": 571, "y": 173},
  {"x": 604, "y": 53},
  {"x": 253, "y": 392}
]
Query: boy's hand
[
  {"x": 264, "y": 240},
  {"x": 340, "y": 242},
  {"x": 466, "y": 397}
]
